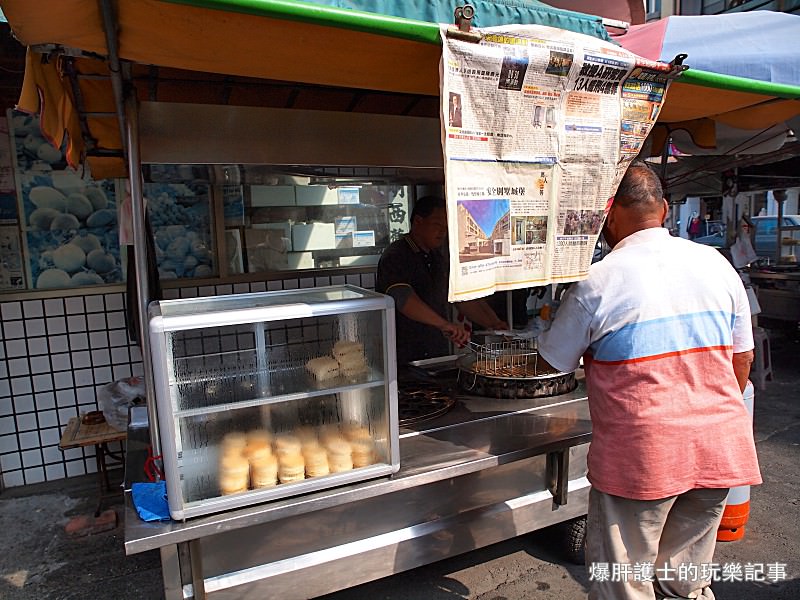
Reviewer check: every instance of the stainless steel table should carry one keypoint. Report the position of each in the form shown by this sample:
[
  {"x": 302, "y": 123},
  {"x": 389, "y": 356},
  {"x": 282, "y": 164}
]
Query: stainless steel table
[{"x": 486, "y": 471}]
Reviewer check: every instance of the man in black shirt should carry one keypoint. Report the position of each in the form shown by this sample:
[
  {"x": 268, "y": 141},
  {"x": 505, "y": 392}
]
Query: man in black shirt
[{"x": 414, "y": 272}]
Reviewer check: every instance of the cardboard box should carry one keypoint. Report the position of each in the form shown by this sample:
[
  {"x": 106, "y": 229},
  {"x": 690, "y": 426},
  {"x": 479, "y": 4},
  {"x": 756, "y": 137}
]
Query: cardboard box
[
  {"x": 316, "y": 195},
  {"x": 353, "y": 261},
  {"x": 300, "y": 260},
  {"x": 272, "y": 195},
  {"x": 313, "y": 236}
]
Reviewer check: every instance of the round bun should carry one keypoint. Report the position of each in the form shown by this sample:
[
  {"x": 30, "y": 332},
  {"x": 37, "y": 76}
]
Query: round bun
[
  {"x": 232, "y": 485},
  {"x": 363, "y": 453},
  {"x": 232, "y": 465},
  {"x": 234, "y": 439},
  {"x": 259, "y": 435},
  {"x": 291, "y": 467},
  {"x": 287, "y": 444},
  {"x": 264, "y": 471},
  {"x": 316, "y": 462},
  {"x": 257, "y": 449}
]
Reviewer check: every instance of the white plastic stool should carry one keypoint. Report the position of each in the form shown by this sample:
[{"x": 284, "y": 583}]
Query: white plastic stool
[{"x": 761, "y": 371}]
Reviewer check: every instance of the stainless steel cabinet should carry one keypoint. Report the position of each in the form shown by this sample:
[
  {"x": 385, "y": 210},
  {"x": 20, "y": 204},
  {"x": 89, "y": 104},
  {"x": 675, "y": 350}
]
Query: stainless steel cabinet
[{"x": 302, "y": 376}]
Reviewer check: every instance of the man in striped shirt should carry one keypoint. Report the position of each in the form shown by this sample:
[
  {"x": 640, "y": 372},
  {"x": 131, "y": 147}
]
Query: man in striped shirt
[{"x": 663, "y": 325}]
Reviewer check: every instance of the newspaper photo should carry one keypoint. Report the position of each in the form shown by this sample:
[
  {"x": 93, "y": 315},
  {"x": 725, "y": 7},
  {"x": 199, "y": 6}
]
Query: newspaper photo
[{"x": 538, "y": 127}]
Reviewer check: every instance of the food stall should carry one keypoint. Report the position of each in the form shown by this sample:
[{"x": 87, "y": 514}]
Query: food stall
[
  {"x": 451, "y": 468},
  {"x": 466, "y": 452},
  {"x": 461, "y": 457}
]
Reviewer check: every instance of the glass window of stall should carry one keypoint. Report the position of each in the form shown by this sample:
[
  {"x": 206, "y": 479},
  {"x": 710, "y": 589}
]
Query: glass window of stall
[{"x": 237, "y": 220}]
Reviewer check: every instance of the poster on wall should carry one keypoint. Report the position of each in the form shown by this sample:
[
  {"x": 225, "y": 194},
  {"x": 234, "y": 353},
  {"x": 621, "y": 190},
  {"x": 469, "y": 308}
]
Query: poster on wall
[
  {"x": 8, "y": 192},
  {"x": 181, "y": 221},
  {"x": 12, "y": 275},
  {"x": 68, "y": 221},
  {"x": 538, "y": 127}
]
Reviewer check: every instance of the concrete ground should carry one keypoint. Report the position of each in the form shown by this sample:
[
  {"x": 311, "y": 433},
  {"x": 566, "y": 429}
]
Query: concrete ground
[{"x": 40, "y": 561}]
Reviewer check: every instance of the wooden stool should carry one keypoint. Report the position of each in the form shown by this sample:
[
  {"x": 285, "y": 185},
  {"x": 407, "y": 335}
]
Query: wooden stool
[
  {"x": 761, "y": 371},
  {"x": 78, "y": 434}
]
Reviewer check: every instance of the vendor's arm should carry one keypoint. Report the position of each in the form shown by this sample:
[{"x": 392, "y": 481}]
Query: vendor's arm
[
  {"x": 479, "y": 311},
  {"x": 412, "y": 306}
]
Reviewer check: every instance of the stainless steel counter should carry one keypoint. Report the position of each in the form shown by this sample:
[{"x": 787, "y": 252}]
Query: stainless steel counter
[
  {"x": 486, "y": 471},
  {"x": 778, "y": 294}
]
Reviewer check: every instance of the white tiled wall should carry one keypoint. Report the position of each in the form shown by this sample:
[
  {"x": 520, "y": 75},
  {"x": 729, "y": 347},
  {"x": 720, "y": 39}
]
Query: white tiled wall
[{"x": 55, "y": 354}]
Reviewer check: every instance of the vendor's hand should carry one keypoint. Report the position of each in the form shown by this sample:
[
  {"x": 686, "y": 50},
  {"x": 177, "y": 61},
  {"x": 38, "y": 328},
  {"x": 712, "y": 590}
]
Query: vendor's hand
[
  {"x": 499, "y": 325},
  {"x": 455, "y": 333}
]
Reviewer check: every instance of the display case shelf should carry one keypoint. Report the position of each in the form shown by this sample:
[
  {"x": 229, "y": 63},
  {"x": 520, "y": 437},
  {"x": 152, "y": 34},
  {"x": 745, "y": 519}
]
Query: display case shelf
[{"x": 265, "y": 401}]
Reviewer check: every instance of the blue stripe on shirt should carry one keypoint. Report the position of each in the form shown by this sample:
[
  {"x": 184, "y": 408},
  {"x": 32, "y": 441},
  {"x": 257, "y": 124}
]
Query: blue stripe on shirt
[{"x": 662, "y": 336}]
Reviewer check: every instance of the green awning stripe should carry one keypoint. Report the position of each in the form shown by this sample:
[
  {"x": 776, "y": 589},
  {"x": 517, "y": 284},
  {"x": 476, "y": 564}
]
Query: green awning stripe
[{"x": 739, "y": 84}]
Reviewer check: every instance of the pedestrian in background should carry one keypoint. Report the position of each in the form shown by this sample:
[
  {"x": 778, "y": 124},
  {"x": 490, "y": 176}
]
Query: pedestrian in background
[
  {"x": 664, "y": 328},
  {"x": 693, "y": 227}
]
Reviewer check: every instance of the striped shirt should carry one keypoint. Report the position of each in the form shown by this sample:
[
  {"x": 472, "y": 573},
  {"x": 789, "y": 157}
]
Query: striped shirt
[{"x": 658, "y": 321}]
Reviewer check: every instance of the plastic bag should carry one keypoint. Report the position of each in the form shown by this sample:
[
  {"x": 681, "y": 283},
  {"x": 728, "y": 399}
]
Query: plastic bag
[{"x": 117, "y": 397}]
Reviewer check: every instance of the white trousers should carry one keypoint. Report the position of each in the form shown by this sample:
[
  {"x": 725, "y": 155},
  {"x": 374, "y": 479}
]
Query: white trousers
[{"x": 675, "y": 535}]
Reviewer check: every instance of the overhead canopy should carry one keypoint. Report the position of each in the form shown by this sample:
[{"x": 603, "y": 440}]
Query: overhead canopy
[
  {"x": 745, "y": 69},
  {"x": 225, "y": 51}
]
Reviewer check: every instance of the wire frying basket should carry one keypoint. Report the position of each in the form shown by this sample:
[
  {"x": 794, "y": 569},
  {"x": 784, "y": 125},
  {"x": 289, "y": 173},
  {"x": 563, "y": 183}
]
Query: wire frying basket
[{"x": 509, "y": 358}]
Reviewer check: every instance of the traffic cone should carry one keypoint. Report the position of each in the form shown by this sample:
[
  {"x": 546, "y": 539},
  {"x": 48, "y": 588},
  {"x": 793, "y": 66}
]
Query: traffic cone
[{"x": 737, "y": 505}]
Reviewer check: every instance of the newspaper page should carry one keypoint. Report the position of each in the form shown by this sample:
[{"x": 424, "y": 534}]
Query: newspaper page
[{"x": 538, "y": 127}]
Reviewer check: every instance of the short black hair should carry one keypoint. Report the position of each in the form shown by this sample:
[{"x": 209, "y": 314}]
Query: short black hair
[
  {"x": 423, "y": 207},
  {"x": 640, "y": 187}
]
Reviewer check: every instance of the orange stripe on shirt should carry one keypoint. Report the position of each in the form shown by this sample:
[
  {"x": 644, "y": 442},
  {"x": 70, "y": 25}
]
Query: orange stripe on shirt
[{"x": 659, "y": 356}]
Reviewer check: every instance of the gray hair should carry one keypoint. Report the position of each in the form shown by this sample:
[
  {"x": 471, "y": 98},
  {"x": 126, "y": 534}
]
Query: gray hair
[{"x": 640, "y": 188}]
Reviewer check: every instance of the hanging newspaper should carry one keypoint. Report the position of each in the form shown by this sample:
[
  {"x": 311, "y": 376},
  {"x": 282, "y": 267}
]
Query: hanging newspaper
[{"x": 538, "y": 127}]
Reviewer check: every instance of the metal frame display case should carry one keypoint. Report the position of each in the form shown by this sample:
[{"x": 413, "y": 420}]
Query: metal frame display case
[{"x": 229, "y": 369}]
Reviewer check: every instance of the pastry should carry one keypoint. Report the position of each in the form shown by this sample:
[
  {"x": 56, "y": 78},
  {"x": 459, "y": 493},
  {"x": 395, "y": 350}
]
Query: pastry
[
  {"x": 287, "y": 444},
  {"x": 323, "y": 368},
  {"x": 316, "y": 461},
  {"x": 264, "y": 471},
  {"x": 329, "y": 432},
  {"x": 234, "y": 474},
  {"x": 257, "y": 449},
  {"x": 291, "y": 467},
  {"x": 339, "y": 456},
  {"x": 354, "y": 432},
  {"x": 363, "y": 453},
  {"x": 306, "y": 434},
  {"x": 232, "y": 485},
  {"x": 235, "y": 440},
  {"x": 352, "y": 365},
  {"x": 260, "y": 435},
  {"x": 345, "y": 347}
]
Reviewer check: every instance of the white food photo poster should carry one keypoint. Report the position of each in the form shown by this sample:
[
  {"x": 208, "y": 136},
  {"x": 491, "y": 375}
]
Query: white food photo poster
[
  {"x": 538, "y": 126},
  {"x": 68, "y": 221}
]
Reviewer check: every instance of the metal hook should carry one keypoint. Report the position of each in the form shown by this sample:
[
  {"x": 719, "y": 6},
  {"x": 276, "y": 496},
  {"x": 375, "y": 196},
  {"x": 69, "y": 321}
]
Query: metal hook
[{"x": 463, "y": 17}]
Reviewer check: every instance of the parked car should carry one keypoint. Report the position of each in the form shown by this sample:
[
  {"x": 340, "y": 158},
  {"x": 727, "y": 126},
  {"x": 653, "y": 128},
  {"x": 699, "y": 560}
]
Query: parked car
[
  {"x": 766, "y": 236},
  {"x": 713, "y": 234}
]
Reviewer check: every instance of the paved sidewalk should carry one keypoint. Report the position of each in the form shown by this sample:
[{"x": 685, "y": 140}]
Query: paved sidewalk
[{"x": 40, "y": 561}]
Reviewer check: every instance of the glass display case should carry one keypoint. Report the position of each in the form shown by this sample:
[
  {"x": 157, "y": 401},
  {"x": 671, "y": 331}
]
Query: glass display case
[
  {"x": 229, "y": 220},
  {"x": 267, "y": 395}
]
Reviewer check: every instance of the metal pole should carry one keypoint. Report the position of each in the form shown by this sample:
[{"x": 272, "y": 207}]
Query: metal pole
[
  {"x": 510, "y": 309},
  {"x": 140, "y": 260},
  {"x": 112, "y": 44}
]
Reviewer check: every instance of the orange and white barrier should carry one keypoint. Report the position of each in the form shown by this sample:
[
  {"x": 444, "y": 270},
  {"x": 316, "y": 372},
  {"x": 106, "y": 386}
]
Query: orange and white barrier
[{"x": 737, "y": 505}]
